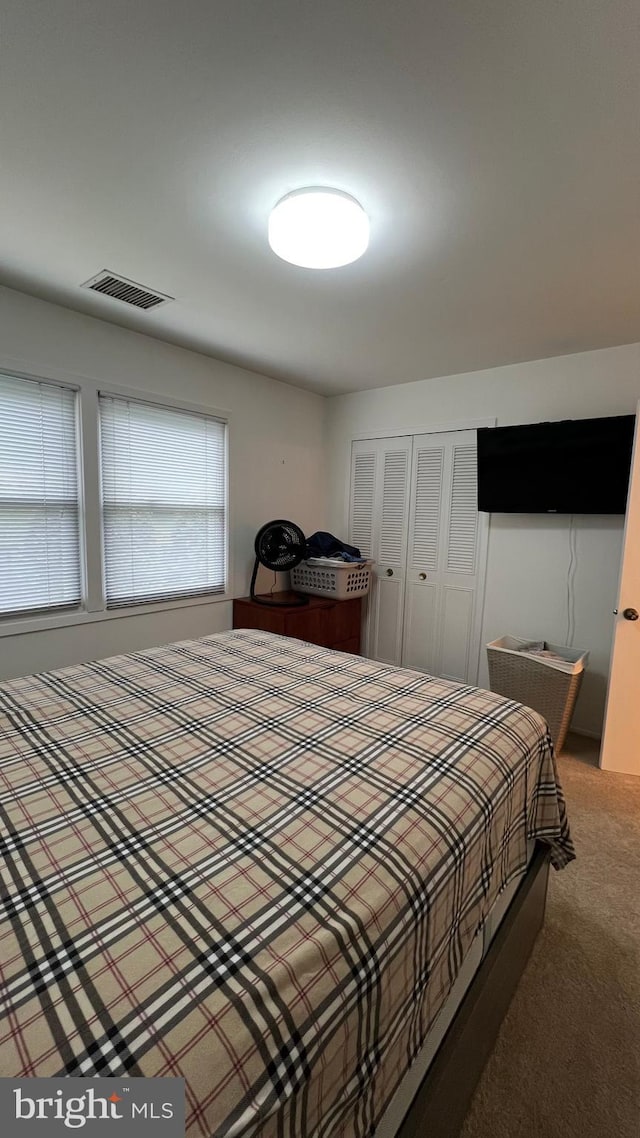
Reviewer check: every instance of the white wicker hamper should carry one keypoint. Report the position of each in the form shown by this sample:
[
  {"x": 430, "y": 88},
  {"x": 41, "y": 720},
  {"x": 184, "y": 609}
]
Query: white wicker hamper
[
  {"x": 547, "y": 685},
  {"x": 326, "y": 577}
]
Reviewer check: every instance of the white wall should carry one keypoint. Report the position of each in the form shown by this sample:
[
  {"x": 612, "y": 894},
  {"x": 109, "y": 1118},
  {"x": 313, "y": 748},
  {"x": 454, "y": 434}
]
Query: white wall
[
  {"x": 281, "y": 463},
  {"x": 277, "y": 459},
  {"x": 528, "y": 558}
]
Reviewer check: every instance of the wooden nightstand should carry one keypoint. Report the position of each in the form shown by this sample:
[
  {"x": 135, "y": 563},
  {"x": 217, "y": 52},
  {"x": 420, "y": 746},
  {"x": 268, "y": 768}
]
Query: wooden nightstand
[{"x": 330, "y": 623}]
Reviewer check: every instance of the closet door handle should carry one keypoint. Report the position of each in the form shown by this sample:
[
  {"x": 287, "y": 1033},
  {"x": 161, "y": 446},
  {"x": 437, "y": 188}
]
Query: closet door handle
[
  {"x": 422, "y": 576},
  {"x": 389, "y": 572},
  {"x": 630, "y": 614}
]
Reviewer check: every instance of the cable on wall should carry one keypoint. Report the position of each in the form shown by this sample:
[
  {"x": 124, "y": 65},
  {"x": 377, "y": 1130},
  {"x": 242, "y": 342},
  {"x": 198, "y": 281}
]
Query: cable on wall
[{"x": 571, "y": 576}]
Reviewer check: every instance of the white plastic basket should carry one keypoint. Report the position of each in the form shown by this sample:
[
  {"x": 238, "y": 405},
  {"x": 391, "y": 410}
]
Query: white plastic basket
[{"x": 326, "y": 577}]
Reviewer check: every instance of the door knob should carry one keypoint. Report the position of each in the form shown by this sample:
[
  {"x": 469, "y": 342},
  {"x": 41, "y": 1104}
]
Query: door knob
[
  {"x": 389, "y": 572},
  {"x": 630, "y": 614},
  {"x": 422, "y": 576}
]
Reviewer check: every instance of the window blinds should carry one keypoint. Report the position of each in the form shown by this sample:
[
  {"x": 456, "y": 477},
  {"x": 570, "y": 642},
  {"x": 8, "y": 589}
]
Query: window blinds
[
  {"x": 39, "y": 523},
  {"x": 164, "y": 502}
]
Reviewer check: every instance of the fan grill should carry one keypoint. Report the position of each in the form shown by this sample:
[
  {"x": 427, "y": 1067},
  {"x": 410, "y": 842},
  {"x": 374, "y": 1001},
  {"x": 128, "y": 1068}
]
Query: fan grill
[{"x": 279, "y": 545}]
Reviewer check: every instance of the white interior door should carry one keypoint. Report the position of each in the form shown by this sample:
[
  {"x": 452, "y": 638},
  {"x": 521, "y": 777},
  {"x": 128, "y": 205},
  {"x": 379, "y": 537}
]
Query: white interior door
[
  {"x": 378, "y": 527},
  {"x": 621, "y": 739},
  {"x": 444, "y": 580}
]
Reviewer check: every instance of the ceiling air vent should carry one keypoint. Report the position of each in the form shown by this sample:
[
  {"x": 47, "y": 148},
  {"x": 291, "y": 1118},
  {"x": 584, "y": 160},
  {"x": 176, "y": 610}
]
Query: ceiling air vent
[{"x": 127, "y": 291}]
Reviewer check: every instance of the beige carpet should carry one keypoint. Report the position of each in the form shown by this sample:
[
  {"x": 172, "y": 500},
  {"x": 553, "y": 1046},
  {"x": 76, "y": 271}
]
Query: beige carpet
[{"x": 567, "y": 1060}]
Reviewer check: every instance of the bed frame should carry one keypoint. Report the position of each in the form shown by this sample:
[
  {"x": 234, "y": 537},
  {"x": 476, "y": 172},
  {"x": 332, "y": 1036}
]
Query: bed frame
[{"x": 442, "y": 1100}]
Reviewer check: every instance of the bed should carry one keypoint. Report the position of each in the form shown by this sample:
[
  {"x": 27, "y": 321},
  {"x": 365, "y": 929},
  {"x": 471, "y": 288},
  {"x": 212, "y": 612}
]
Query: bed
[{"x": 257, "y": 864}]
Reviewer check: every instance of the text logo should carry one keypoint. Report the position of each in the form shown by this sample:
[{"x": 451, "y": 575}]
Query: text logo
[{"x": 132, "y": 1108}]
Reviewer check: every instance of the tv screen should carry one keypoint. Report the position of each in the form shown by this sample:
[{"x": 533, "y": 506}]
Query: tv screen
[{"x": 577, "y": 466}]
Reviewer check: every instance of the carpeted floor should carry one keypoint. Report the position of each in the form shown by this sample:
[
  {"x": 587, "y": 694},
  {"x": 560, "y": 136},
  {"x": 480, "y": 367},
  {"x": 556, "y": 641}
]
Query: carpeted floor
[{"x": 567, "y": 1060}]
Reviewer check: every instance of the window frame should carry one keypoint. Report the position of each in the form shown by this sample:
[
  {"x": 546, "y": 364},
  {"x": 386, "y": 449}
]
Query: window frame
[
  {"x": 93, "y": 606},
  {"x": 187, "y": 409},
  {"x": 68, "y": 612}
]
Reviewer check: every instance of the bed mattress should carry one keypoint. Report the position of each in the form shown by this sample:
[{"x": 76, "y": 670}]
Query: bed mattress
[
  {"x": 394, "y": 1115},
  {"x": 255, "y": 863}
]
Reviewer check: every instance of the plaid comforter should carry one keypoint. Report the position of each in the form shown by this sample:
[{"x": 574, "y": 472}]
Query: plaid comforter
[{"x": 255, "y": 863}]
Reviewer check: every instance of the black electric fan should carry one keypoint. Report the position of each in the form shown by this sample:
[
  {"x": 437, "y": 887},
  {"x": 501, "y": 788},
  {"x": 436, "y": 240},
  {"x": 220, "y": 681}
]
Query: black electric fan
[{"x": 279, "y": 545}]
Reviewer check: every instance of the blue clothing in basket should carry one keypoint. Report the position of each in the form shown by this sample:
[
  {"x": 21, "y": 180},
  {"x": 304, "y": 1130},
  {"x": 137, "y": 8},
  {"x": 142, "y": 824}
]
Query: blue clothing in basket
[{"x": 323, "y": 544}]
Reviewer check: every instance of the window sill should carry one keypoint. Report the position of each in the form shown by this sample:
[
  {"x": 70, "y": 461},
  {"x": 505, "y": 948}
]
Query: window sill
[{"x": 45, "y": 623}]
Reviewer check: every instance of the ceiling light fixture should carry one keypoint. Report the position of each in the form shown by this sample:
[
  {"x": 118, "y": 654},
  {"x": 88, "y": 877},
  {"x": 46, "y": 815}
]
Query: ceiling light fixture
[{"x": 318, "y": 228}]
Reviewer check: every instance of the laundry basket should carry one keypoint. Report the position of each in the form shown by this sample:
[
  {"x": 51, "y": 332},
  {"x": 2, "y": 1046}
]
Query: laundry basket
[
  {"x": 548, "y": 685},
  {"x": 327, "y": 577}
]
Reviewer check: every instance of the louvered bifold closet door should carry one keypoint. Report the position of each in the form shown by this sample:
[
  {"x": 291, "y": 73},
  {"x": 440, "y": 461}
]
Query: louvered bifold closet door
[
  {"x": 422, "y": 592},
  {"x": 442, "y": 569},
  {"x": 362, "y": 502},
  {"x": 462, "y": 533},
  {"x": 378, "y": 527},
  {"x": 459, "y": 579}
]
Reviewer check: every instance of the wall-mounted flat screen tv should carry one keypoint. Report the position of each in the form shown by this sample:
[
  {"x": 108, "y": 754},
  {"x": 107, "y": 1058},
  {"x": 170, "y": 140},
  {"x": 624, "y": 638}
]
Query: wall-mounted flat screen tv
[{"x": 576, "y": 466}]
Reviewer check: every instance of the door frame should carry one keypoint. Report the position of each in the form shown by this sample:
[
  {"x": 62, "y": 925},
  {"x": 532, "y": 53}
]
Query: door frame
[
  {"x": 608, "y": 759},
  {"x": 378, "y": 433}
]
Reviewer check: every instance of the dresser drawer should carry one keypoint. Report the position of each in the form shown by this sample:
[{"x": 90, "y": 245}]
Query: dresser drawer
[{"x": 329, "y": 623}]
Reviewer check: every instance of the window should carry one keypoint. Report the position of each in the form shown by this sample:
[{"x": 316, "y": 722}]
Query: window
[
  {"x": 39, "y": 508},
  {"x": 163, "y": 500}
]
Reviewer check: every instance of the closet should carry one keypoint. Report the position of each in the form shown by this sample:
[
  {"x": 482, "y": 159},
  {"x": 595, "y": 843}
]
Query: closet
[{"x": 413, "y": 510}]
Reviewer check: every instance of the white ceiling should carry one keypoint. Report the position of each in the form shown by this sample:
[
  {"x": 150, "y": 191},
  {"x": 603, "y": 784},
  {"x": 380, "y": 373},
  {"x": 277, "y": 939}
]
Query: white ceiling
[{"x": 494, "y": 143}]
